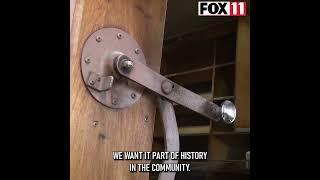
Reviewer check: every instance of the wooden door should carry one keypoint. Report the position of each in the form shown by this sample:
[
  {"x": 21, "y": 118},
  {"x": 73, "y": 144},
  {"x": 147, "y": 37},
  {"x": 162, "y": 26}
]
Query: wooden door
[{"x": 95, "y": 130}]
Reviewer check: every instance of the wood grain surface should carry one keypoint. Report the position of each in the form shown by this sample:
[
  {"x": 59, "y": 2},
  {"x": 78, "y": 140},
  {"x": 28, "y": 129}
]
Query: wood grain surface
[
  {"x": 242, "y": 89},
  {"x": 96, "y": 131}
]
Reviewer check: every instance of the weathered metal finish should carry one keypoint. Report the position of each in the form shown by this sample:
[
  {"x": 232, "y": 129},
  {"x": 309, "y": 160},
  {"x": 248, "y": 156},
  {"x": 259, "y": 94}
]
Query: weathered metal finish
[
  {"x": 98, "y": 54},
  {"x": 166, "y": 87},
  {"x": 171, "y": 134},
  {"x": 110, "y": 49},
  {"x": 98, "y": 82},
  {"x": 146, "y": 77}
]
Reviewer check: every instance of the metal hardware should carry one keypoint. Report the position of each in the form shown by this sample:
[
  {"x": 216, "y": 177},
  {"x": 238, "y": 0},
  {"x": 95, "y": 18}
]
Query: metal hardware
[
  {"x": 100, "y": 83},
  {"x": 228, "y": 112},
  {"x": 117, "y": 76},
  {"x": 103, "y": 83},
  {"x": 126, "y": 65},
  {"x": 171, "y": 134},
  {"x": 87, "y": 60},
  {"x": 98, "y": 38},
  {"x": 166, "y": 87},
  {"x": 152, "y": 80},
  {"x": 119, "y": 35},
  {"x": 136, "y": 51},
  {"x": 248, "y": 159}
]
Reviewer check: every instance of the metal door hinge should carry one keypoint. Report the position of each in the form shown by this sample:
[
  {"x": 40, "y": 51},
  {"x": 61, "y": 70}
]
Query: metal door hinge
[{"x": 117, "y": 74}]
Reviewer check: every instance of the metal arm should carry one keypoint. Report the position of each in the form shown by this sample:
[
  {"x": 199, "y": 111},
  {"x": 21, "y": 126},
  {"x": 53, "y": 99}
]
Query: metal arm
[
  {"x": 171, "y": 134},
  {"x": 143, "y": 75}
]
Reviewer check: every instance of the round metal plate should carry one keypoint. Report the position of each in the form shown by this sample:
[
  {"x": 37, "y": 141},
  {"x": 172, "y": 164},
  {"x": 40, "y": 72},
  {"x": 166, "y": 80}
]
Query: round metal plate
[{"x": 98, "y": 54}]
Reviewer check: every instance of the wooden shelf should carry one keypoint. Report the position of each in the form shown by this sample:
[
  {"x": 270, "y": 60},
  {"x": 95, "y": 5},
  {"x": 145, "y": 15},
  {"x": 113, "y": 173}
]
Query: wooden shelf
[
  {"x": 236, "y": 131},
  {"x": 198, "y": 70},
  {"x": 223, "y": 98},
  {"x": 224, "y": 64},
  {"x": 225, "y": 166},
  {"x": 189, "y": 72},
  {"x": 194, "y": 130}
]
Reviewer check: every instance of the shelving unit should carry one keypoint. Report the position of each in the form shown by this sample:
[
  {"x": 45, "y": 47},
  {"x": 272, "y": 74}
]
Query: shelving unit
[
  {"x": 207, "y": 69},
  {"x": 205, "y": 60}
]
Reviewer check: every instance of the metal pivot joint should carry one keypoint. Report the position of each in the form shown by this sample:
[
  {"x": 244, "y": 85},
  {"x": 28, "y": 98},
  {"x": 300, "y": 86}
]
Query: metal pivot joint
[
  {"x": 157, "y": 83},
  {"x": 115, "y": 72}
]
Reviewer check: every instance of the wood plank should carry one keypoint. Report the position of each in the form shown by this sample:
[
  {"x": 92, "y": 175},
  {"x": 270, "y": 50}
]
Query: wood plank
[
  {"x": 242, "y": 87},
  {"x": 72, "y": 5},
  {"x": 221, "y": 166},
  {"x": 223, "y": 98},
  {"x": 189, "y": 72},
  {"x": 194, "y": 130},
  {"x": 96, "y": 131}
]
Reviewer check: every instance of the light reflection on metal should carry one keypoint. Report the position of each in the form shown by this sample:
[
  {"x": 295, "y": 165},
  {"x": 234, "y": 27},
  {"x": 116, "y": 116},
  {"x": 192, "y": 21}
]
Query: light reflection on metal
[{"x": 228, "y": 112}]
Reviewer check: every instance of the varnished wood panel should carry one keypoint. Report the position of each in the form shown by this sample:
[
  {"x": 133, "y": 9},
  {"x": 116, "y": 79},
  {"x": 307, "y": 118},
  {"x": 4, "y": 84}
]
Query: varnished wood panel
[
  {"x": 96, "y": 131},
  {"x": 242, "y": 89}
]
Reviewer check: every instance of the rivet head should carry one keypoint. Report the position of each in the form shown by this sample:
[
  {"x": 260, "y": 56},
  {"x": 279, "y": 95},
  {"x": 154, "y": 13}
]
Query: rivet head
[
  {"x": 98, "y": 38},
  {"x": 133, "y": 95},
  {"x": 137, "y": 51},
  {"x": 95, "y": 123},
  {"x": 146, "y": 118},
  {"x": 91, "y": 82},
  {"x": 87, "y": 60},
  {"x": 114, "y": 101},
  {"x": 119, "y": 35},
  {"x": 167, "y": 87}
]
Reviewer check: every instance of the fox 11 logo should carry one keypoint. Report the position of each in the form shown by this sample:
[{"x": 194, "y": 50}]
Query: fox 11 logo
[{"x": 221, "y": 8}]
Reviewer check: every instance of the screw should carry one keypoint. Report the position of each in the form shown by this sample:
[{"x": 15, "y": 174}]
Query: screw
[
  {"x": 87, "y": 60},
  {"x": 91, "y": 82},
  {"x": 114, "y": 102},
  {"x": 133, "y": 95},
  {"x": 95, "y": 123},
  {"x": 167, "y": 87},
  {"x": 137, "y": 51},
  {"x": 126, "y": 65},
  {"x": 98, "y": 39},
  {"x": 119, "y": 35},
  {"x": 146, "y": 118}
]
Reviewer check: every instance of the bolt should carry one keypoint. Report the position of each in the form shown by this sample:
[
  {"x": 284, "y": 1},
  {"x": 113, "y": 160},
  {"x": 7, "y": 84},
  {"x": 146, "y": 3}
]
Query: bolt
[
  {"x": 98, "y": 39},
  {"x": 137, "y": 51},
  {"x": 91, "y": 82},
  {"x": 119, "y": 35},
  {"x": 114, "y": 102},
  {"x": 167, "y": 87},
  {"x": 133, "y": 95},
  {"x": 126, "y": 65},
  {"x": 87, "y": 60}
]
